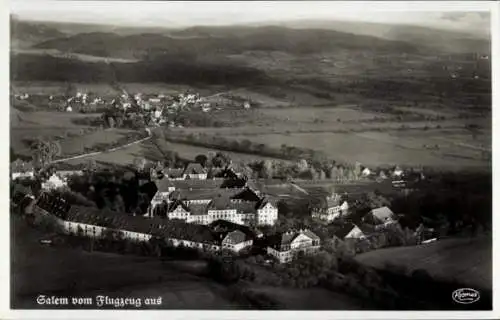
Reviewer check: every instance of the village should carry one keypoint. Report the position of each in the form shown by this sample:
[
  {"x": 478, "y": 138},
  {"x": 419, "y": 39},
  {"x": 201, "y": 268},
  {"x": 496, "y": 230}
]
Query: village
[
  {"x": 224, "y": 210},
  {"x": 155, "y": 109}
]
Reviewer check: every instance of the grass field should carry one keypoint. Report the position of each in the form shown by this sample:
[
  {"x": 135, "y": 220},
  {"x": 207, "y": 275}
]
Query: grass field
[
  {"x": 443, "y": 259},
  {"x": 77, "y": 145},
  {"x": 310, "y": 299},
  {"x": 150, "y": 152},
  {"x": 385, "y": 148},
  {"x": 37, "y": 269},
  {"x": 47, "y": 125}
]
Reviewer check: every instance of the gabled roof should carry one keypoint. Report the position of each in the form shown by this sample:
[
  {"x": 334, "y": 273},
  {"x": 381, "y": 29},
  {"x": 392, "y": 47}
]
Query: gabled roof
[
  {"x": 344, "y": 230},
  {"x": 227, "y": 226},
  {"x": 235, "y": 237},
  {"x": 197, "y": 184},
  {"x": 246, "y": 194},
  {"x": 164, "y": 184},
  {"x": 198, "y": 209},
  {"x": 194, "y": 168},
  {"x": 287, "y": 237},
  {"x": 382, "y": 214},
  {"x": 176, "y": 204}
]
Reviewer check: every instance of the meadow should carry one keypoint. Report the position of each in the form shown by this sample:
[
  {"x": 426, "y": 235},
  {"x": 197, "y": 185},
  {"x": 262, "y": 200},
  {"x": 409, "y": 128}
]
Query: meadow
[
  {"x": 382, "y": 148},
  {"x": 51, "y": 270},
  {"x": 443, "y": 259}
]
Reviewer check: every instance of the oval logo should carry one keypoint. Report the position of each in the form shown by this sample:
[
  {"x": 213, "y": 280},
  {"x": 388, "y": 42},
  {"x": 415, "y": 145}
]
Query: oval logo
[{"x": 465, "y": 295}]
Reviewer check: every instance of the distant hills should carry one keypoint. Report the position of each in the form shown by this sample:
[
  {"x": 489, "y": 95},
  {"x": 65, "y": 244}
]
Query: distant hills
[{"x": 205, "y": 41}]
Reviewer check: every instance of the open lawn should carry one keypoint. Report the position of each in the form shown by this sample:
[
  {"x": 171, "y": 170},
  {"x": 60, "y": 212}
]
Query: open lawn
[
  {"x": 37, "y": 269},
  {"x": 443, "y": 259},
  {"x": 324, "y": 114},
  {"x": 310, "y": 299},
  {"x": 149, "y": 151},
  {"x": 47, "y": 125},
  {"x": 386, "y": 148},
  {"x": 77, "y": 145}
]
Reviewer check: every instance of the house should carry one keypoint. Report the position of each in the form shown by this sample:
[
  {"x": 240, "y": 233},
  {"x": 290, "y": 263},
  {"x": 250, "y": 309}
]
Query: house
[
  {"x": 366, "y": 172},
  {"x": 335, "y": 208},
  {"x": 21, "y": 170},
  {"x": 236, "y": 241},
  {"x": 380, "y": 217},
  {"x": 291, "y": 245},
  {"x": 397, "y": 172},
  {"x": 194, "y": 171},
  {"x": 54, "y": 182}
]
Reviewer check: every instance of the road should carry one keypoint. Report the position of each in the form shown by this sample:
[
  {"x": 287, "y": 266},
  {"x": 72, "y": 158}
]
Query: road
[{"x": 148, "y": 130}]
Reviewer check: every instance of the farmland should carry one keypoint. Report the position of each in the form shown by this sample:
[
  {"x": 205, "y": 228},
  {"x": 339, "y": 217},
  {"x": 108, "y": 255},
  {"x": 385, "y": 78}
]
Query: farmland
[
  {"x": 443, "y": 259},
  {"x": 78, "y": 145}
]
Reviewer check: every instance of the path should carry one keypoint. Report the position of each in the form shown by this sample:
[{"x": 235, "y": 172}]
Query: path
[{"x": 148, "y": 130}]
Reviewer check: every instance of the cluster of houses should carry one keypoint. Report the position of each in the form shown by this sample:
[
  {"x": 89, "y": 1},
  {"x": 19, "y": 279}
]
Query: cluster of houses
[
  {"x": 220, "y": 212},
  {"x": 189, "y": 196}
]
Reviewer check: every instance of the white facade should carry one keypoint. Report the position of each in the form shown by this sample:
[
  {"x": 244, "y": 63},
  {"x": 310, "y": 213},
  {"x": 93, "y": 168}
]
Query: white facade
[
  {"x": 355, "y": 233},
  {"x": 54, "y": 182},
  {"x": 199, "y": 176},
  {"x": 301, "y": 244},
  {"x": 236, "y": 247},
  {"x": 332, "y": 213},
  {"x": 23, "y": 175},
  {"x": 268, "y": 215}
]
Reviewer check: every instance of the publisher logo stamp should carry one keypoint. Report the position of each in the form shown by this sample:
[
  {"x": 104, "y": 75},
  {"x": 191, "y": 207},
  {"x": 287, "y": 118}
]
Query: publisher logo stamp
[{"x": 465, "y": 296}]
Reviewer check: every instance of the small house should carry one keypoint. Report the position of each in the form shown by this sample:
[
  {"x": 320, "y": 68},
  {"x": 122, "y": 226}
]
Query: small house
[{"x": 291, "y": 245}]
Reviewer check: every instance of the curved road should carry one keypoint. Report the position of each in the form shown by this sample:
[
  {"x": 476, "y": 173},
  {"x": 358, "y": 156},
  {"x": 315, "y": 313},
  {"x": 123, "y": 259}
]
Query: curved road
[{"x": 148, "y": 130}]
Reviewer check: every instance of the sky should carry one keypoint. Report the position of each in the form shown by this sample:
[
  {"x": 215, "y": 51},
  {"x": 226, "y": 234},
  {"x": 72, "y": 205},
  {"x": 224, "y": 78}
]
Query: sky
[{"x": 446, "y": 15}]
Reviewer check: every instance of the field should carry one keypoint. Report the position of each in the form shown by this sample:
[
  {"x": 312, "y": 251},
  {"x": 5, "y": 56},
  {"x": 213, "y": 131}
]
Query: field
[
  {"x": 383, "y": 148},
  {"x": 149, "y": 151},
  {"x": 29, "y": 125},
  {"x": 77, "y": 145},
  {"x": 310, "y": 299},
  {"x": 443, "y": 259},
  {"x": 49, "y": 270}
]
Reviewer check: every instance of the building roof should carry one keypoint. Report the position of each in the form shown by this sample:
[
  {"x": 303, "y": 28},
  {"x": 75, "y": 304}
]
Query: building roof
[
  {"x": 164, "y": 184},
  {"x": 287, "y": 237},
  {"x": 246, "y": 194},
  {"x": 235, "y": 237},
  {"x": 344, "y": 230},
  {"x": 194, "y": 168},
  {"x": 154, "y": 226},
  {"x": 173, "y": 172},
  {"x": 176, "y": 204},
  {"x": 198, "y": 209},
  {"x": 197, "y": 184},
  {"x": 204, "y": 194},
  {"x": 382, "y": 214}
]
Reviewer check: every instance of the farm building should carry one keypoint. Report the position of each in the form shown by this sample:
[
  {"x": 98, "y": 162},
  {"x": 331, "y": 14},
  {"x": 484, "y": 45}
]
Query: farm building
[
  {"x": 380, "y": 217},
  {"x": 54, "y": 182},
  {"x": 291, "y": 245}
]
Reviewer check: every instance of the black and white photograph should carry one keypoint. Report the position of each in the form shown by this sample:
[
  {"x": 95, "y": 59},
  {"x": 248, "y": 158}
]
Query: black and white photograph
[{"x": 260, "y": 155}]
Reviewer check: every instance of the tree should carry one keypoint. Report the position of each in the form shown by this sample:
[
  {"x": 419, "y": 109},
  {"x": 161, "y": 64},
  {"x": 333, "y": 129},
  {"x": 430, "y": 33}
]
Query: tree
[
  {"x": 201, "y": 159},
  {"x": 43, "y": 152},
  {"x": 267, "y": 169},
  {"x": 302, "y": 165}
]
